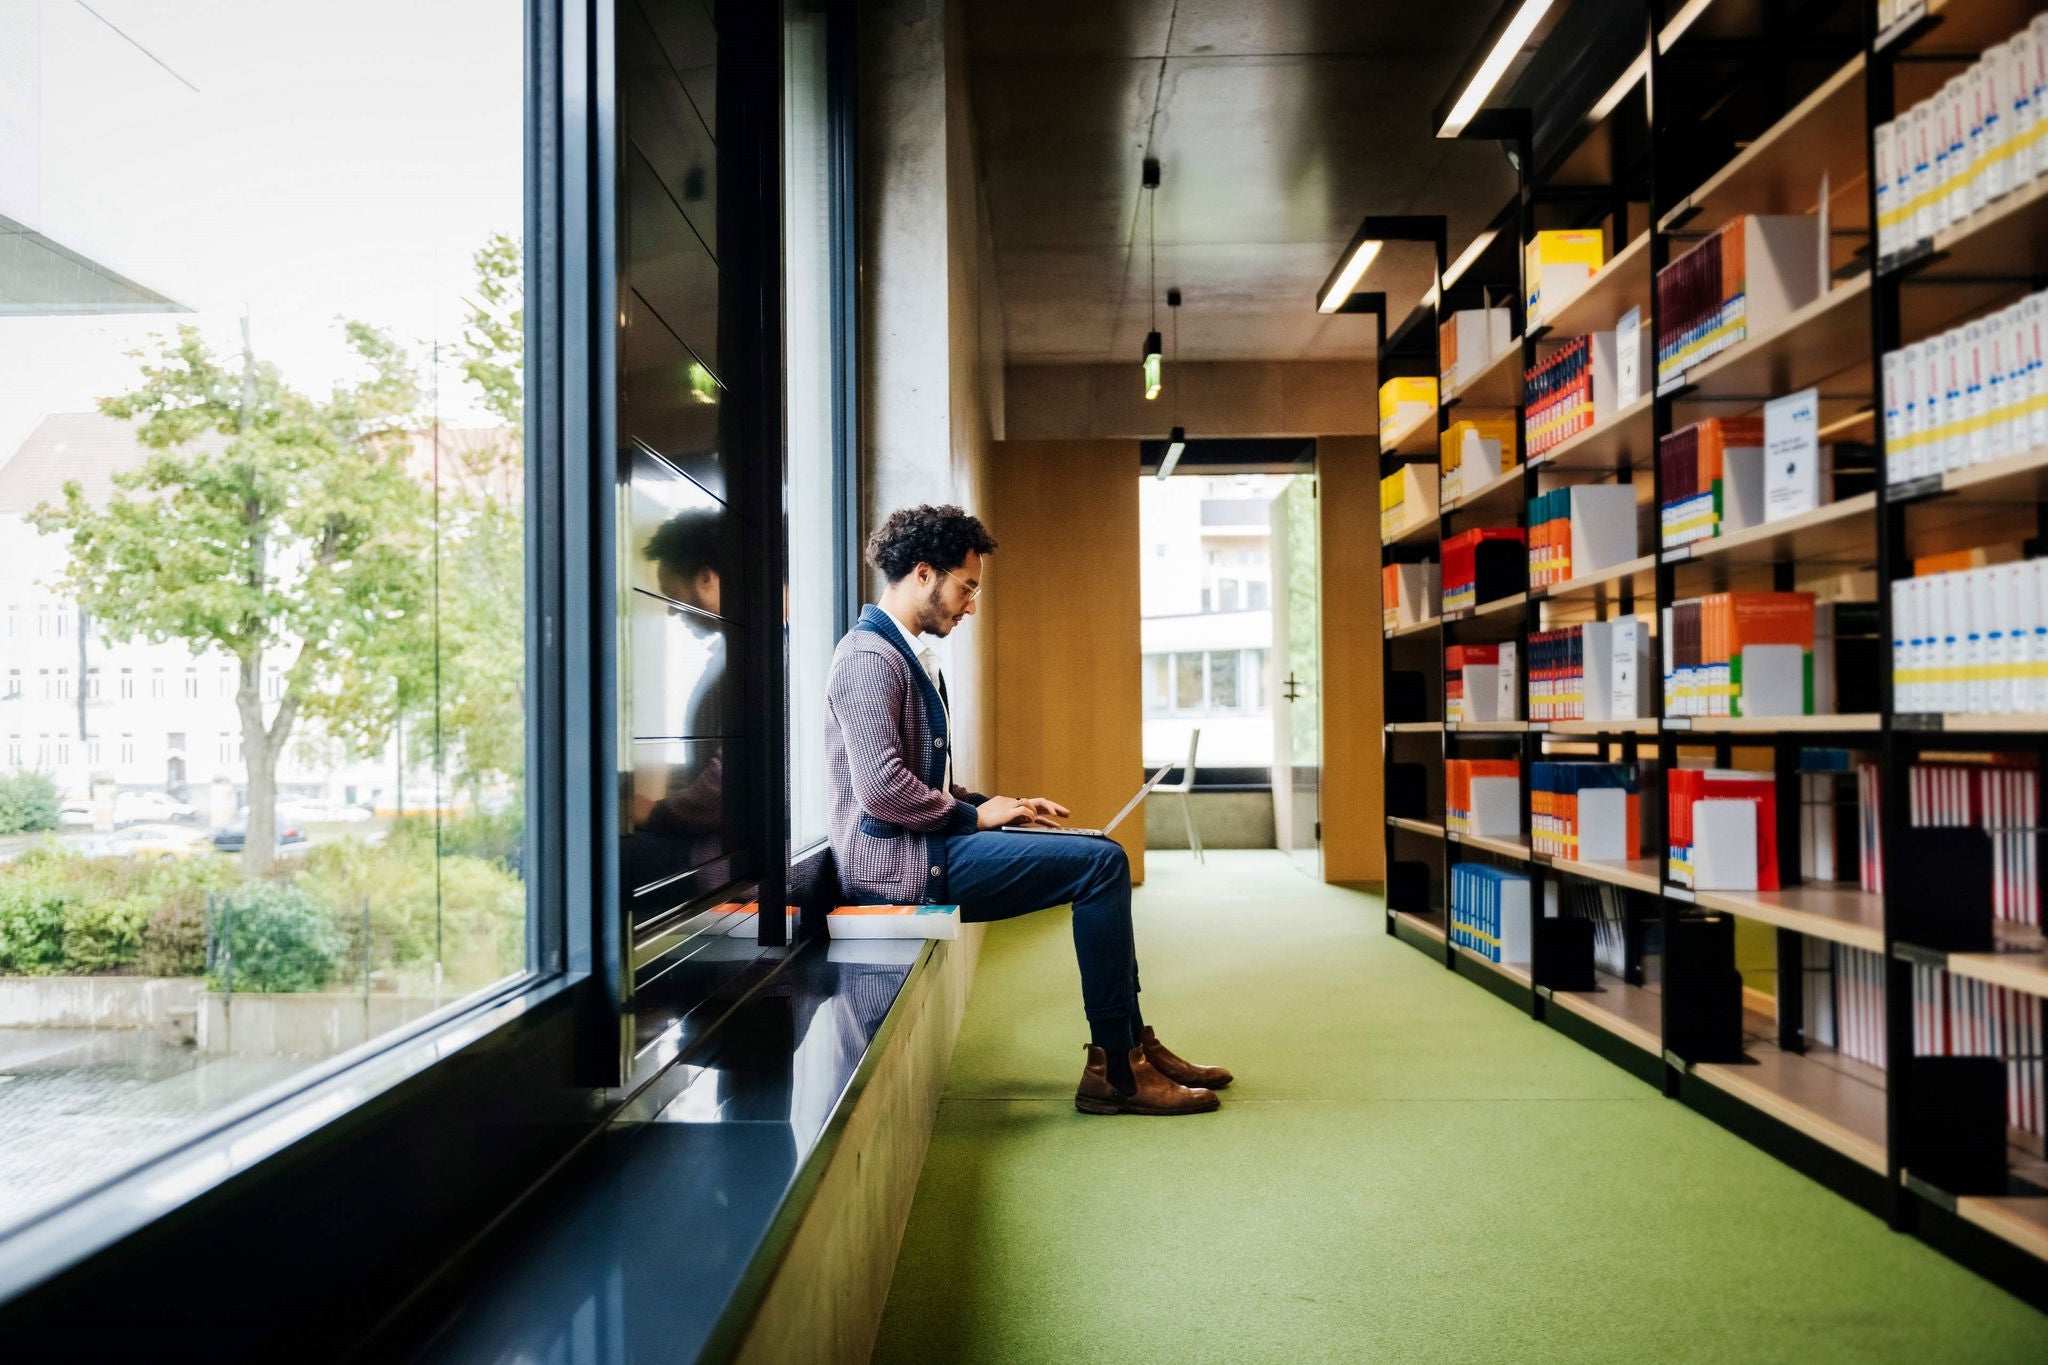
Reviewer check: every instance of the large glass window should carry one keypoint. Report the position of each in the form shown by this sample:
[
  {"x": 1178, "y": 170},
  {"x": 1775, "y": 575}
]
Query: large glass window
[{"x": 262, "y": 419}]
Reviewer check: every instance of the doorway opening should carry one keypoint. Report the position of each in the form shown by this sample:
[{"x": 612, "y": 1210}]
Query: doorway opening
[{"x": 1229, "y": 594}]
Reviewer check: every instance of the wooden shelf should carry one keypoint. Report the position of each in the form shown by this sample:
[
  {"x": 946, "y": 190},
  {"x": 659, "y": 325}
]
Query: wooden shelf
[
  {"x": 1803, "y": 350},
  {"x": 1492, "y": 607},
  {"x": 1983, "y": 260},
  {"x": 1623, "y": 283},
  {"x": 1414, "y": 727},
  {"x": 1845, "y": 724},
  {"x": 1496, "y": 387},
  {"x": 1642, "y": 571},
  {"x": 1508, "y": 481},
  {"x": 1427, "y": 928},
  {"x": 1637, "y": 874},
  {"x": 2025, "y": 971},
  {"x": 2022, "y": 477},
  {"x": 1639, "y": 725},
  {"x": 1781, "y": 171},
  {"x": 1831, "y": 1098},
  {"x": 1425, "y": 827},
  {"x": 1488, "y": 727},
  {"x": 1622, "y": 441},
  {"x": 1411, "y": 529},
  {"x": 1506, "y": 848},
  {"x": 1402, "y": 632},
  {"x": 2008, "y": 723},
  {"x": 1417, "y": 438},
  {"x": 1634, "y": 1014},
  {"x": 1838, "y": 912},
  {"x": 2023, "y": 1222},
  {"x": 1514, "y": 971},
  {"x": 1833, "y": 533}
]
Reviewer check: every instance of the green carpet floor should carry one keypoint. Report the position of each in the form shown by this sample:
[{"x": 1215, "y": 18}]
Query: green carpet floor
[{"x": 1407, "y": 1170}]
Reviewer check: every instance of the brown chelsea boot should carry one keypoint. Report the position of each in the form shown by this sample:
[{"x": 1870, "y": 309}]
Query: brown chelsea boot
[
  {"x": 1177, "y": 1069},
  {"x": 1154, "y": 1094}
]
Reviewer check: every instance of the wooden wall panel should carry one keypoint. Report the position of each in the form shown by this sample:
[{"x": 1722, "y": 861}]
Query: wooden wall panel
[
  {"x": 1069, "y": 711},
  {"x": 1354, "y": 798}
]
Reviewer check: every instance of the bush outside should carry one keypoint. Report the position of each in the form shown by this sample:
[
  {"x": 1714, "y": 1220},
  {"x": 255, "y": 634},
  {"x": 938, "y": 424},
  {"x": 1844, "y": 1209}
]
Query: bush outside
[
  {"x": 63, "y": 914},
  {"x": 28, "y": 802}
]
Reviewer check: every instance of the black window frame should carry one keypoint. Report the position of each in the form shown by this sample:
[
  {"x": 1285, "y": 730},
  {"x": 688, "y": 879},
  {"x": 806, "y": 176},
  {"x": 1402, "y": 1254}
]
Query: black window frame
[{"x": 402, "y": 1152}]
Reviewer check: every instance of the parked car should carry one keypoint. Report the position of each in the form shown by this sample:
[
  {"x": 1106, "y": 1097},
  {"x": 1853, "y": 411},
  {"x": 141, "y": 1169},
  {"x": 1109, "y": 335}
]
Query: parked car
[
  {"x": 230, "y": 838},
  {"x": 312, "y": 810},
  {"x": 152, "y": 843},
  {"x": 75, "y": 815},
  {"x": 134, "y": 808}
]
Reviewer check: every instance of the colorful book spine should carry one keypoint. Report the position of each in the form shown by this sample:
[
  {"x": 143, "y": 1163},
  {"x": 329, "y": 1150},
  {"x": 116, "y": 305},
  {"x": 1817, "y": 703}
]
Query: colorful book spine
[
  {"x": 1490, "y": 911},
  {"x": 1555, "y": 809},
  {"x": 1686, "y": 787},
  {"x": 1701, "y": 301},
  {"x": 1558, "y": 396},
  {"x": 1461, "y": 577},
  {"x": 1458, "y": 777},
  {"x": 1692, "y": 461},
  {"x": 1708, "y": 660}
]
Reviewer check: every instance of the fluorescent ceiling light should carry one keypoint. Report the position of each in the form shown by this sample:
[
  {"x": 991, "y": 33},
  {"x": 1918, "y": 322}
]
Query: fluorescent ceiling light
[
  {"x": 1347, "y": 279},
  {"x": 1637, "y": 69},
  {"x": 1494, "y": 67},
  {"x": 1680, "y": 22},
  {"x": 1175, "y": 444},
  {"x": 1152, "y": 366},
  {"x": 1469, "y": 255}
]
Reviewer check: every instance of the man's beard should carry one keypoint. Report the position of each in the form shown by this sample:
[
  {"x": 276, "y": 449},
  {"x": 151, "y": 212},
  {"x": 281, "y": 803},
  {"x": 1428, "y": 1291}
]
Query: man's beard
[{"x": 932, "y": 617}]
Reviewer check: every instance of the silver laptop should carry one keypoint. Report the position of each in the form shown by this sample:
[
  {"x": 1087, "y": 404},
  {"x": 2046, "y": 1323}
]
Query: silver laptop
[{"x": 1129, "y": 806}]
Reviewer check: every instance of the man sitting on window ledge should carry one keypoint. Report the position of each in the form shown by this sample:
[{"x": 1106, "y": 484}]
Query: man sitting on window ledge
[{"x": 903, "y": 831}]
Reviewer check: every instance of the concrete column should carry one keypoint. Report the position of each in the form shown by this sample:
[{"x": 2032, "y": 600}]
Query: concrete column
[{"x": 930, "y": 333}]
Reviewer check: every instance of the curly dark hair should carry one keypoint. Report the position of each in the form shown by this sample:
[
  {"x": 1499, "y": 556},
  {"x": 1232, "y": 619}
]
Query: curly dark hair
[{"x": 938, "y": 536}]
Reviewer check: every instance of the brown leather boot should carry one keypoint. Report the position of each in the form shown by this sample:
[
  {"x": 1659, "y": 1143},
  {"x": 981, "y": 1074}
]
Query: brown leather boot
[
  {"x": 1177, "y": 1069},
  {"x": 1154, "y": 1094}
]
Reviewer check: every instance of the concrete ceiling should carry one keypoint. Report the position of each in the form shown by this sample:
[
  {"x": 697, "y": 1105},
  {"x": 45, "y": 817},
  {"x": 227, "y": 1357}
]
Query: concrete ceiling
[{"x": 1279, "y": 124}]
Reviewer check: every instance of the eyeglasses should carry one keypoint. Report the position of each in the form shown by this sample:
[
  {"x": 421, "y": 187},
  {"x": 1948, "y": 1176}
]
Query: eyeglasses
[{"x": 973, "y": 593}]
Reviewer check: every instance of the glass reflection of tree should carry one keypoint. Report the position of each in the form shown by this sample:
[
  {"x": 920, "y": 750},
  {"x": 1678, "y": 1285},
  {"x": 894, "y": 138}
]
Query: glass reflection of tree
[{"x": 688, "y": 553}]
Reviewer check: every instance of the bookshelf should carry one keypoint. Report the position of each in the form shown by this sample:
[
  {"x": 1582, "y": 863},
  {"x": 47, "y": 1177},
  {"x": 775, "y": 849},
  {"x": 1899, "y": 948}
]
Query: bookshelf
[{"x": 1798, "y": 141}]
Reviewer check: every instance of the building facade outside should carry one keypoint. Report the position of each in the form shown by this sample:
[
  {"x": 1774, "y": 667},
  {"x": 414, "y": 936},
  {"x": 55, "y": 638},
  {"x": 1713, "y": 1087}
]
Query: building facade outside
[{"x": 1206, "y": 596}]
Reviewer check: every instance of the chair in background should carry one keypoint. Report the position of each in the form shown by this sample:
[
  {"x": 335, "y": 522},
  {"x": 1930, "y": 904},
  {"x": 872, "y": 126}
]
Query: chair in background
[{"x": 1182, "y": 788}]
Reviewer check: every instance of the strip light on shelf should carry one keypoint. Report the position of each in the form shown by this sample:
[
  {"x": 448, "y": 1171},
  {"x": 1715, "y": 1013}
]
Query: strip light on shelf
[
  {"x": 1175, "y": 445},
  {"x": 1495, "y": 66},
  {"x": 1462, "y": 264},
  {"x": 1347, "y": 279}
]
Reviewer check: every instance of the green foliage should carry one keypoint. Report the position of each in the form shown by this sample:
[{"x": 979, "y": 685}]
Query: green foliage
[
  {"x": 494, "y": 333},
  {"x": 174, "y": 938},
  {"x": 280, "y": 938},
  {"x": 31, "y": 927},
  {"x": 469, "y": 909},
  {"x": 62, "y": 914},
  {"x": 28, "y": 802}
]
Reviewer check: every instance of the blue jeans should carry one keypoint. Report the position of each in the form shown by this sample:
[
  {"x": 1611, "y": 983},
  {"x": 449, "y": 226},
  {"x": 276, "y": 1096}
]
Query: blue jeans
[{"x": 992, "y": 875}]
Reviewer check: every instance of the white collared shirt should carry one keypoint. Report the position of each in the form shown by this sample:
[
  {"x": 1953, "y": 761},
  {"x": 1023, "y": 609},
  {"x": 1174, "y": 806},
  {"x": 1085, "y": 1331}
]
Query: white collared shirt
[{"x": 918, "y": 651}]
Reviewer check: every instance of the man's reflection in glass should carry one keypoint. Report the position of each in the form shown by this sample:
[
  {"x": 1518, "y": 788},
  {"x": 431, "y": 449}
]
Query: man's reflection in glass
[{"x": 685, "y": 826}]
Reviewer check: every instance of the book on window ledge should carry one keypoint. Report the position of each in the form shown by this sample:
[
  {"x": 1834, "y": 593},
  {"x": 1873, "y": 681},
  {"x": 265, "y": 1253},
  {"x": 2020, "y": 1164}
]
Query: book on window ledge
[{"x": 894, "y": 921}]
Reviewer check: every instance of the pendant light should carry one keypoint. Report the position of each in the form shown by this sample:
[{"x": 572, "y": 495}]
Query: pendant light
[
  {"x": 1153, "y": 358},
  {"x": 1177, "y": 441}
]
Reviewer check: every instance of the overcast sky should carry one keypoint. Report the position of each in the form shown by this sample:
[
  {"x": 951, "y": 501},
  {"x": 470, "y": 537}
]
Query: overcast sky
[{"x": 299, "y": 159}]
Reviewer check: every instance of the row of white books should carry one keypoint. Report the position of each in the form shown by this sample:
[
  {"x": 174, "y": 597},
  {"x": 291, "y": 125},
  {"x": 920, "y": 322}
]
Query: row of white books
[
  {"x": 1844, "y": 999},
  {"x": 1981, "y": 136},
  {"x": 1954, "y": 1016},
  {"x": 1974, "y": 393},
  {"x": 1972, "y": 640}
]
